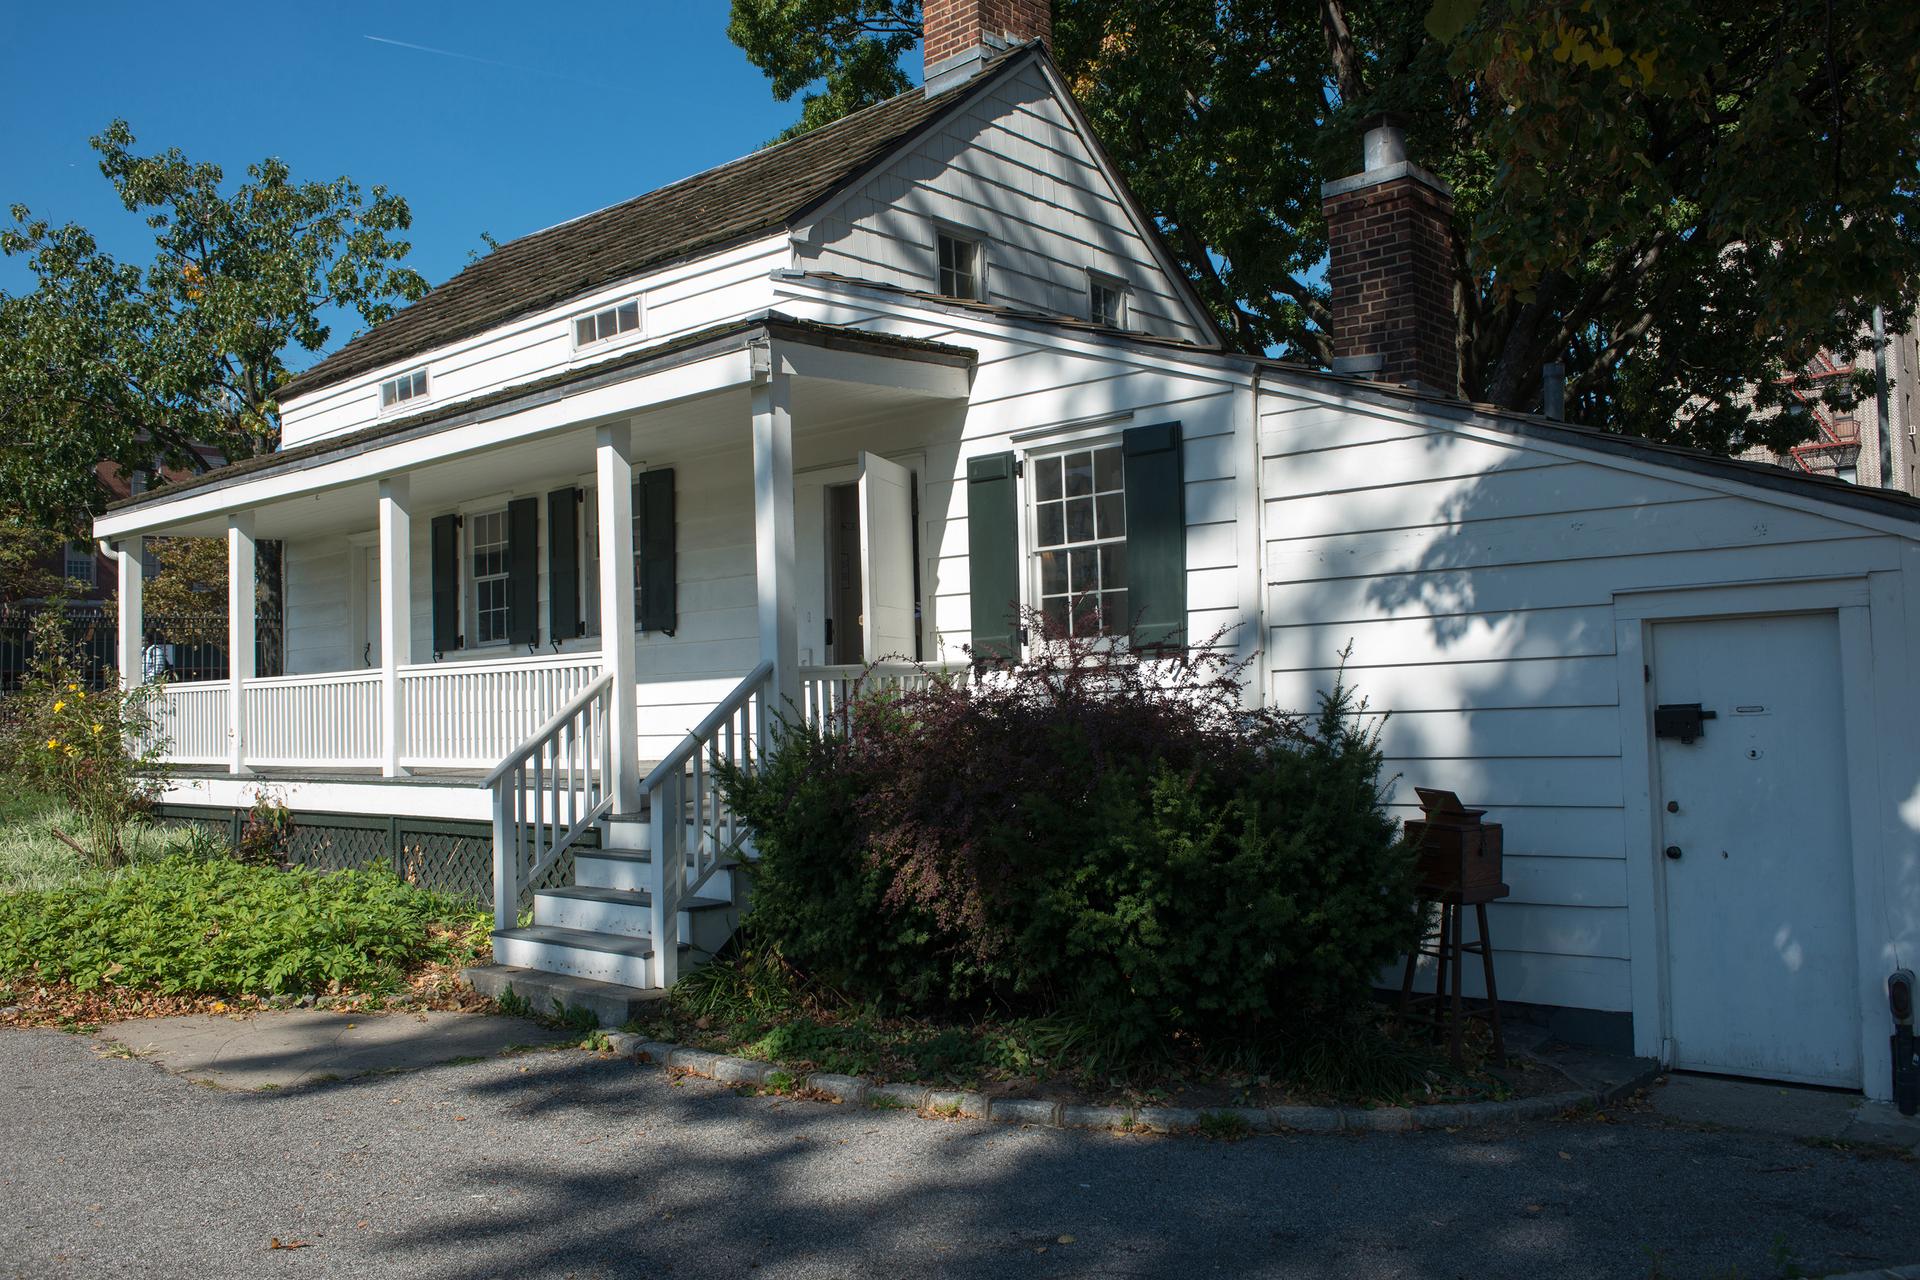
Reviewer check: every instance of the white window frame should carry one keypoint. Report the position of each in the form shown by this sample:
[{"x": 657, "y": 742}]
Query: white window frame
[
  {"x": 1029, "y": 494},
  {"x": 80, "y": 555},
  {"x": 412, "y": 399},
  {"x": 601, "y": 342},
  {"x": 1097, "y": 280},
  {"x": 470, "y": 578},
  {"x": 943, "y": 231}
]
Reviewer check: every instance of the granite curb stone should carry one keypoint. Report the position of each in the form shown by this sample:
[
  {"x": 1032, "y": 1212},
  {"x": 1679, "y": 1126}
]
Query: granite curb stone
[{"x": 1039, "y": 1111}]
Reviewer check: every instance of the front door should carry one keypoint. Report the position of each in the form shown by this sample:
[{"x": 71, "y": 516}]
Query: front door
[
  {"x": 370, "y": 644},
  {"x": 842, "y": 633},
  {"x": 1755, "y": 849}
]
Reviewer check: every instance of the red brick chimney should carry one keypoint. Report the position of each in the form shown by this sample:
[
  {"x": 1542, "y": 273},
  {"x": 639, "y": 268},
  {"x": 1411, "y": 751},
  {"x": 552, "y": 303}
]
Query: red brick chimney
[
  {"x": 1391, "y": 268},
  {"x": 960, "y": 35}
]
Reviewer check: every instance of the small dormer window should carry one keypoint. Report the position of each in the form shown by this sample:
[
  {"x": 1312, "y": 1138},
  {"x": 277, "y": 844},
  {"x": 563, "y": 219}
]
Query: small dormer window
[
  {"x": 610, "y": 323},
  {"x": 408, "y": 386},
  {"x": 1106, "y": 301},
  {"x": 960, "y": 274}
]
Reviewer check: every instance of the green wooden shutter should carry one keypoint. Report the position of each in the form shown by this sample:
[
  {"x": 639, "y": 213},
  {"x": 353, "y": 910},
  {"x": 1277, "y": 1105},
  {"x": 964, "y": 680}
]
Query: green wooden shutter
[
  {"x": 993, "y": 556},
  {"x": 1156, "y": 535},
  {"x": 523, "y": 571},
  {"x": 563, "y": 564},
  {"x": 446, "y": 584},
  {"x": 653, "y": 521}
]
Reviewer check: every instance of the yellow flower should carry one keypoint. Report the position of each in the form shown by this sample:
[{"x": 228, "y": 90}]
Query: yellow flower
[
  {"x": 82, "y": 695},
  {"x": 96, "y": 726},
  {"x": 73, "y": 688},
  {"x": 52, "y": 745},
  {"x": 58, "y": 705}
]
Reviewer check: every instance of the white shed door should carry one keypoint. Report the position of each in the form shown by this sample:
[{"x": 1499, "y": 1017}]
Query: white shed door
[
  {"x": 1755, "y": 851},
  {"x": 886, "y": 534}
]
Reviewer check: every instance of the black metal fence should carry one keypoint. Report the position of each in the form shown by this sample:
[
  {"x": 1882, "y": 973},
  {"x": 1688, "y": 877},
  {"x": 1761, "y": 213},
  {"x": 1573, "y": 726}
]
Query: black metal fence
[
  {"x": 187, "y": 646},
  {"x": 450, "y": 858}
]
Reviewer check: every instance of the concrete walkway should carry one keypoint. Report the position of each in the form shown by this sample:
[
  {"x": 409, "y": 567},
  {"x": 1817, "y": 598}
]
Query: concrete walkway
[
  {"x": 563, "y": 1163},
  {"x": 280, "y": 1049},
  {"x": 1783, "y": 1111}
]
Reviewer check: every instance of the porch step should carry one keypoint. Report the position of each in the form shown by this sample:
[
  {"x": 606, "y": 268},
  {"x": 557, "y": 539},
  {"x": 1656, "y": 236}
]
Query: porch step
[
  {"x": 628, "y": 869},
  {"x": 602, "y": 957},
  {"x": 551, "y": 993},
  {"x": 597, "y": 909}
]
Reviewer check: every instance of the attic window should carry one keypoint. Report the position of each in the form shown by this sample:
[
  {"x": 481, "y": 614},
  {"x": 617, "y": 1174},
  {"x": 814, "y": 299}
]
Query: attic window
[
  {"x": 611, "y": 323},
  {"x": 1106, "y": 301},
  {"x": 959, "y": 266},
  {"x": 408, "y": 386}
]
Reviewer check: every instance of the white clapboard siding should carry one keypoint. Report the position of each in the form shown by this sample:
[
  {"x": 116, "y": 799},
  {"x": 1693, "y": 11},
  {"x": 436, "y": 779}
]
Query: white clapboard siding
[
  {"x": 1012, "y": 169},
  {"x": 1471, "y": 578},
  {"x": 675, "y": 300}
]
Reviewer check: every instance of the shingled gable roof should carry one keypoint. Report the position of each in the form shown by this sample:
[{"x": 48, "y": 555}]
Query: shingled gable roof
[{"x": 755, "y": 195}]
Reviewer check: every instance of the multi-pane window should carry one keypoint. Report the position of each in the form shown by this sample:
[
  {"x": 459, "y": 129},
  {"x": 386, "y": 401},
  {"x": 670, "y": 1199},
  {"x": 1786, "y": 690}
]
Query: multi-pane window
[
  {"x": 408, "y": 386},
  {"x": 959, "y": 266},
  {"x": 610, "y": 323},
  {"x": 80, "y": 563},
  {"x": 1103, "y": 302},
  {"x": 1080, "y": 540},
  {"x": 489, "y": 549}
]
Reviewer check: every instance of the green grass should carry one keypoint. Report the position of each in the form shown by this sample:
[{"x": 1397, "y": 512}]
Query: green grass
[{"x": 33, "y": 859}]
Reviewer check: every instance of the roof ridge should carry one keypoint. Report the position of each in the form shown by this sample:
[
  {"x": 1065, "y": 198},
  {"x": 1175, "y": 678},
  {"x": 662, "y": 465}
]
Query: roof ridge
[{"x": 694, "y": 216}]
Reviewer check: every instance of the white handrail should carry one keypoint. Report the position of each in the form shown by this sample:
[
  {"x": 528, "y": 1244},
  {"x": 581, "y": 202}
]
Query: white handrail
[
  {"x": 690, "y": 826},
  {"x": 548, "y": 793}
]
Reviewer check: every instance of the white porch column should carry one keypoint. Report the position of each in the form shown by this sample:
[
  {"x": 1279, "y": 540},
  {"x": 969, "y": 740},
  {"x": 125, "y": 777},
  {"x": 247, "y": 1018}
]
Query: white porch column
[
  {"x": 396, "y": 611},
  {"x": 773, "y": 534},
  {"x": 240, "y": 654},
  {"x": 127, "y": 555},
  {"x": 613, "y": 477}
]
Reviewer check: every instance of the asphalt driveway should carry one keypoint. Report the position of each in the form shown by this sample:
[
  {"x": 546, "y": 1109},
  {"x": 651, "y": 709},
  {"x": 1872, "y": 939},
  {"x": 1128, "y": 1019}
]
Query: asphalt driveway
[{"x": 561, "y": 1163}]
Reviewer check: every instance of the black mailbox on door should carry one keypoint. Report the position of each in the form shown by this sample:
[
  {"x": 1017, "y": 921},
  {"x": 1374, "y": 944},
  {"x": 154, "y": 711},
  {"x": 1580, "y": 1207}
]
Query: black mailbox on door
[{"x": 1680, "y": 720}]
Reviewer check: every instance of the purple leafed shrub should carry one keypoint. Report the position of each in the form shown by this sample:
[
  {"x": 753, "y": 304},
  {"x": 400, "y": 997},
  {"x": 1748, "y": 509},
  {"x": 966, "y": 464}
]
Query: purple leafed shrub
[{"x": 1121, "y": 844}]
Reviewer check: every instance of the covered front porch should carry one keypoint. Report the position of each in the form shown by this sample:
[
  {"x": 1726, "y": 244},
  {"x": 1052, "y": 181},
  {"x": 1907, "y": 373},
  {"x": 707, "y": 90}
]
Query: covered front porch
[{"x": 616, "y": 549}]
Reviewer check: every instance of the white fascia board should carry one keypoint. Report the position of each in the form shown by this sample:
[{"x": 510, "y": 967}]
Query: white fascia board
[
  {"x": 1234, "y": 371},
  {"x": 1472, "y": 423},
  {"x": 659, "y": 278},
  {"x": 489, "y": 428},
  {"x": 806, "y": 360}
]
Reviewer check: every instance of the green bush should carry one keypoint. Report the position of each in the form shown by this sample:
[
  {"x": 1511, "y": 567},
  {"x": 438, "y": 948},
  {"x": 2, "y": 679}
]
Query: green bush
[
  {"x": 1117, "y": 847},
  {"x": 183, "y": 925}
]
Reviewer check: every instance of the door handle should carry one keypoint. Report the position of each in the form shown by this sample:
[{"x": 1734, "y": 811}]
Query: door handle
[{"x": 1673, "y": 853}]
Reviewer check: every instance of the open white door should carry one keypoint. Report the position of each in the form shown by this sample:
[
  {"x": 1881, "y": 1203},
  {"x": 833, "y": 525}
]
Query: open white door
[{"x": 886, "y": 558}]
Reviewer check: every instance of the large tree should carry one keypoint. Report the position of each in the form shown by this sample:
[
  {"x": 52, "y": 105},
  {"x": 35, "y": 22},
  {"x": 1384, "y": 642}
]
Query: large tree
[
  {"x": 1682, "y": 203},
  {"x": 140, "y": 363}
]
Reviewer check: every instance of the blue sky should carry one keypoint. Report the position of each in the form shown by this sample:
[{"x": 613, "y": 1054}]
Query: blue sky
[{"x": 550, "y": 111}]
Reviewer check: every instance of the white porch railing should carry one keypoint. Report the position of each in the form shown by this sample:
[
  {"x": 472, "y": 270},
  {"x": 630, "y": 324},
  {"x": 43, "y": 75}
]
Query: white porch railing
[
  {"x": 299, "y": 720},
  {"x": 190, "y": 721},
  {"x": 691, "y": 829},
  {"x": 547, "y": 793},
  {"x": 826, "y": 691},
  {"x": 470, "y": 715}
]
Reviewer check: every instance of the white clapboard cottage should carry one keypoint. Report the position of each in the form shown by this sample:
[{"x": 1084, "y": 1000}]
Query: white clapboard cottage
[{"x": 584, "y": 514}]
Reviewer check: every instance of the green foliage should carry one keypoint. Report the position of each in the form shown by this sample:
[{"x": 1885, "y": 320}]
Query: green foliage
[
  {"x": 139, "y": 364},
  {"x": 1680, "y": 202},
  {"x": 1130, "y": 858},
  {"x": 187, "y": 926},
  {"x": 28, "y": 555},
  {"x": 91, "y": 750}
]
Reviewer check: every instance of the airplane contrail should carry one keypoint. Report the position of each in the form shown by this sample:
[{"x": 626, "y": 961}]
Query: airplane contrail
[{"x": 491, "y": 62}]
